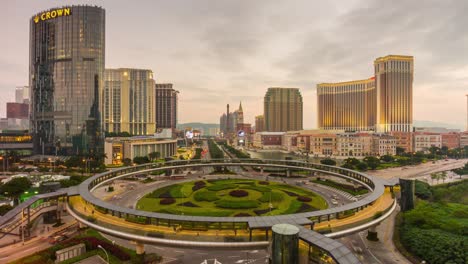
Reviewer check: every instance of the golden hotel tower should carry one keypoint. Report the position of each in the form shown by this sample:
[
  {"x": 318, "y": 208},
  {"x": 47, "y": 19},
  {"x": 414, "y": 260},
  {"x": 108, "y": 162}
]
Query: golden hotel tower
[
  {"x": 394, "y": 85},
  {"x": 347, "y": 105}
]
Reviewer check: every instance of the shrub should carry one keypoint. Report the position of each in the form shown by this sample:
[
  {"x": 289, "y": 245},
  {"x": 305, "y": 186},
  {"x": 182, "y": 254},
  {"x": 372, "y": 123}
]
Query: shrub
[
  {"x": 422, "y": 190},
  {"x": 262, "y": 211},
  {"x": 261, "y": 189},
  {"x": 188, "y": 204},
  {"x": 271, "y": 196},
  {"x": 304, "y": 199},
  {"x": 219, "y": 187},
  {"x": 362, "y": 166},
  {"x": 241, "y": 214},
  {"x": 263, "y": 182},
  {"x": 237, "y": 204},
  {"x": 328, "y": 162},
  {"x": 198, "y": 185},
  {"x": 167, "y": 201},
  {"x": 238, "y": 193},
  {"x": 205, "y": 195}
]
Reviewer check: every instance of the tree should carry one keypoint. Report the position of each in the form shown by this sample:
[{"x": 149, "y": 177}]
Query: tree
[
  {"x": 127, "y": 162},
  {"x": 387, "y": 158},
  {"x": 74, "y": 161},
  {"x": 5, "y": 208},
  {"x": 348, "y": 166},
  {"x": 400, "y": 151},
  {"x": 372, "y": 162},
  {"x": 141, "y": 160},
  {"x": 444, "y": 150},
  {"x": 434, "y": 176},
  {"x": 15, "y": 187},
  {"x": 328, "y": 161},
  {"x": 362, "y": 166},
  {"x": 352, "y": 161},
  {"x": 443, "y": 176},
  {"x": 434, "y": 150},
  {"x": 154, "y": 155}
]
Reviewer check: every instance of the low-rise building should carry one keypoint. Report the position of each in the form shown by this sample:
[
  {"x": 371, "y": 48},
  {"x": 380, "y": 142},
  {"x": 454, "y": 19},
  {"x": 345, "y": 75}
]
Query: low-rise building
[
  {"x": 290, "y": 141},
  {"x": 268, "y": 140},
  {"x": 423, "y": 141},
  {"x": 119, "y": 148},
  {"x": 354, "y": 144},
  {"x": 18, "y": 141},
  {"x": 404, "y": 140},
  {"x": 463, "y": 139},
  {"x": 450, "y": 140},
  {"x": 383, "y": 144},
  {"x": 323, "y": 144}
]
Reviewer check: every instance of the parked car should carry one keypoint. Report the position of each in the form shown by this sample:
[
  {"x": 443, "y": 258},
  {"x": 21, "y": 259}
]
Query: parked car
[{"x": 57, "y": 239}]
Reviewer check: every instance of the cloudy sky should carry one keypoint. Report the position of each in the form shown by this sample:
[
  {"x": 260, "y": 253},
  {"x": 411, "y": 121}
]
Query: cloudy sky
[{"x": 219, "y": 52}]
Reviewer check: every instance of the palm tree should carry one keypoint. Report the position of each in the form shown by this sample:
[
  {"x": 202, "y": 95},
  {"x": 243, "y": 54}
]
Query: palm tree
[
  {"x": 443, "y": 175},
  {"x": 154, "y": 155},
  {"x": 434, "y": 176}
]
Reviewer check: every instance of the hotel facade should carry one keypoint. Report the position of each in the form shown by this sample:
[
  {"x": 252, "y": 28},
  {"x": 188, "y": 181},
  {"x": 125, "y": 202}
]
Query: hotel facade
[
  {"x": 283, "y": 109},
  {"x": 166, "y": 106},
  {"x": 394, "y": 84},
  {"x": 129, "y": 101},
  {"x": 383, "y": 103},
  {"x": 347, "y": 105},
  {"x": 66, "y": 70}
]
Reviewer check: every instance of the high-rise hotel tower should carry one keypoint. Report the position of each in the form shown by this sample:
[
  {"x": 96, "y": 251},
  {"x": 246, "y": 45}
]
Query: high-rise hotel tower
[
  {"x": 282, "y": 109},
  {"x": 382, "y": 103},
  {"x": 347, "y": 105},
  {"x": 166, "y": 106},
  {"x": 394, "y": 84},
  {"x": 129, "y": 101},
  {"x": 66, "y": 69}
]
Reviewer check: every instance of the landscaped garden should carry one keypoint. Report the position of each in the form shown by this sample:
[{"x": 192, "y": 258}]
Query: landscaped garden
[
  {"x": 436, "y": 230},
  {"x": 231, "y": 197}
]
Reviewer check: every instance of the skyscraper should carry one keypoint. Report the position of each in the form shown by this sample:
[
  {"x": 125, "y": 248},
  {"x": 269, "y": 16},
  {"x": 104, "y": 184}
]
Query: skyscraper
[
  {"x": 22, "y": 94},
  {"x": 394, "y": 85},
  {"x": 129, "y": 101},
  {"x": 166, "y": 106},
  {"x": 66, "y": 69},
  {"x": 347, "y": 105},
  {"x": 283, "y": 109},
  {"x": 259, "y": 123}
]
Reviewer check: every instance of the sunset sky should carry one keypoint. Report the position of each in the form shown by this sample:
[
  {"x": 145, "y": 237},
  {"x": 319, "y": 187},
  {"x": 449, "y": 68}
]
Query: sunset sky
[{"x": 219, "y": 52}]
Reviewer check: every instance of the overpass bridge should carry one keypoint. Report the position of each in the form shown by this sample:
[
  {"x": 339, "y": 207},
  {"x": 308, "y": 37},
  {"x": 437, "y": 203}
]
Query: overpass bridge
[{"x": 112, "y": 218}]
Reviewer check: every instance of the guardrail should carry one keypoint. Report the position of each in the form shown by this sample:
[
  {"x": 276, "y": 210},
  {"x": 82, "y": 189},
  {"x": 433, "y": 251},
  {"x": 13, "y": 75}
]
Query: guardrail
[{"x": 374, "y": 184}]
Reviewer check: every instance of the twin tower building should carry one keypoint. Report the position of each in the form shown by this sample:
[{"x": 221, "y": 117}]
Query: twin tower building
[
  {"x": 382, "y": 103},
  {"x": 74, "y": 99}
]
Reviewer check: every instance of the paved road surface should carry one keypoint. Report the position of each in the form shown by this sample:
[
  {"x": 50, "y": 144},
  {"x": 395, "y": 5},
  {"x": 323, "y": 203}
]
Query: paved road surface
[{"x": 193, "y": 256}]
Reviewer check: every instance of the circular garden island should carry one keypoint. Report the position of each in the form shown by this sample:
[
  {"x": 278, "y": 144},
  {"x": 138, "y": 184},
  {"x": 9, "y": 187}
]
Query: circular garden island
[{"x": 231, "y": 197}]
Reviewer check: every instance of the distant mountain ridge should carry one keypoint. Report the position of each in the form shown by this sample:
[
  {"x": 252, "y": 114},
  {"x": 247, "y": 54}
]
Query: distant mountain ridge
[
  {"x": 204, "y": 126},
  {"x": 425, "y": 123}
]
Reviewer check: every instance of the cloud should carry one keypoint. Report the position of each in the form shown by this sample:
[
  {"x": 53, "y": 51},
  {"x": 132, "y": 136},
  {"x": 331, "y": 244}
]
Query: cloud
[{"x": 219, "y": 52}]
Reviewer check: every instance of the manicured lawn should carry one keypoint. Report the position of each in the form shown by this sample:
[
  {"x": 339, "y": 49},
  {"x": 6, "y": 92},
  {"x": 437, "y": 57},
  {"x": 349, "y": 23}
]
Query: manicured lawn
[
  {"x": 436, "y": 230},
  {"x": 231, "y": 197}
]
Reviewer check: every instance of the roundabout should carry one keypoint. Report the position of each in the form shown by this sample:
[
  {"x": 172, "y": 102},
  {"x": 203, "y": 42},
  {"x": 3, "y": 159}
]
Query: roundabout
[
  {"x": 231, "y": 197},
  {"x": 231, "y": 203}
]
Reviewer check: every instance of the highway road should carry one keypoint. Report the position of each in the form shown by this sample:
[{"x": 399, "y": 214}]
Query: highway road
[{"x": 191, "y": 256}]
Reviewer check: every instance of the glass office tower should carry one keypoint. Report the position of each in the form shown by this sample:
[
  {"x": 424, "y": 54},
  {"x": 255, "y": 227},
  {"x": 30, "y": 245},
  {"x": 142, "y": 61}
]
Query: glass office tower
[{"x": 66, "y": 69}]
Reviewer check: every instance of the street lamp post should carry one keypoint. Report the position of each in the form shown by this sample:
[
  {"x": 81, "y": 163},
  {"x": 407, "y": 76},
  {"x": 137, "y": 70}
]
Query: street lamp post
[
  {"x": 3, "y": 165},
  {"x": 99, "y": 246}
]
